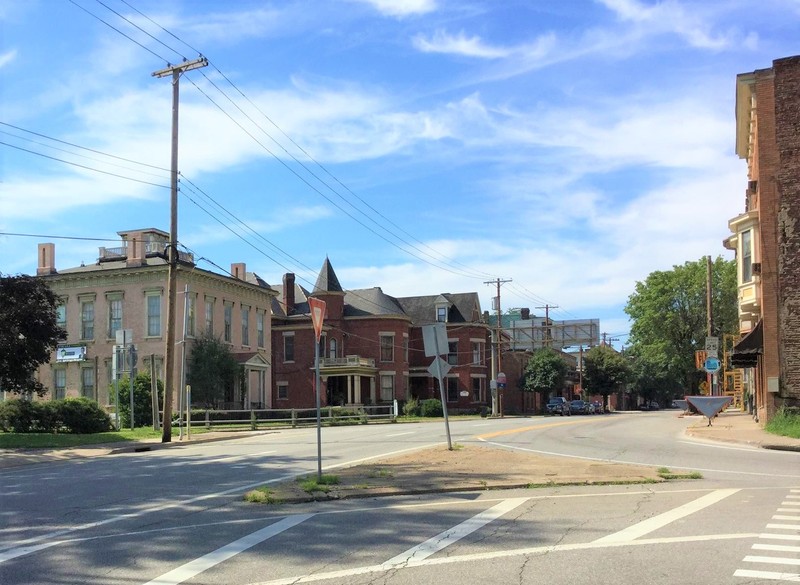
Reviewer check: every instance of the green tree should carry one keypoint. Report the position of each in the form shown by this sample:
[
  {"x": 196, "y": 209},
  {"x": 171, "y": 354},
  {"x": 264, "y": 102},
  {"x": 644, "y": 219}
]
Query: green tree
[
  {"x": 212, "y": 371},
  {"x": 669, "y": 314},
  {"x": 142, "y": 400},
  {"x": 544, "y": 373},
  {"x": 29, "y": 331},
  {"x": 605, "y": 371}
]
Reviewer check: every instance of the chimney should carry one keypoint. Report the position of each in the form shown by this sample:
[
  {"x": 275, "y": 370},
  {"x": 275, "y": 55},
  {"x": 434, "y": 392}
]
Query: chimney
[
  {"x": 239, "y": 270},
  {"x": 47, "y": 259},
  {"x": 525, "y": 313},
  {"x": 288, "y": 292},
  {"x": 134, "y": 251}
]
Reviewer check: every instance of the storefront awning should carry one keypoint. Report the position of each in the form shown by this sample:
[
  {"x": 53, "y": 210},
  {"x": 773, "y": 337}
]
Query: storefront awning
[{"x": 746, "y": 351}]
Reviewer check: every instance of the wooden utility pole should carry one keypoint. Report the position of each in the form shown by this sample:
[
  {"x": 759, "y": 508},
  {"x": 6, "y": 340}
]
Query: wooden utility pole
[
  {"x": 710, "y": 320},
  {"x": 172, "y": 276},
  {"x": 497, "y": 361},
  {"x": 547, "y": 333}
]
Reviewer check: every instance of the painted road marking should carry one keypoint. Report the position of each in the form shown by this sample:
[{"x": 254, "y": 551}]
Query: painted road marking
[
  {"x": 452, "y": 535},
  {"x": 489, "y": 556},
  {"x": 656, "y": 522},
  {"x": 777, "y": 547},
  {"x": 775, "y": 560},
  {"x": 772, "y": 576},
  {"x": 780, "y": 536},
  {"x": 792, "y": 517},
  {"x": 784, "y": 526},
  {"x": 197, "y": 566},
  {"x": 534, "y": 428},
  {"x": 400, "y": 434},
  {"x": 34, "y": 544}
]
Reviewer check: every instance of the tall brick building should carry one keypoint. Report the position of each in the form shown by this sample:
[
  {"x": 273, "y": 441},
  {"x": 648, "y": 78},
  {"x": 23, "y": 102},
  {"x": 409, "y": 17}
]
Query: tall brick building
[
  {"x": 766, "y": 236},
  {"x": 371, "y": 346}
]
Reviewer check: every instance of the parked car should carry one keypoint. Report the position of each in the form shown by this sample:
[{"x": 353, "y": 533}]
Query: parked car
[
  {"x": 579, "y": 407},
  {"x": 558, "y": 405},
  {"x": 598, "y": 407}
]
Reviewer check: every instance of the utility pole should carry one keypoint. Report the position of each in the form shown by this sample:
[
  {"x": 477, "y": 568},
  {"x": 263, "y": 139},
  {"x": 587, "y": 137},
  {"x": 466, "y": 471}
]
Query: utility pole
[
  {"x": 547, "y": 333},
  {"x": 710, "y": 321},
  {"x": 172, "y": 276},
  {"x": 496, "y": 357}
]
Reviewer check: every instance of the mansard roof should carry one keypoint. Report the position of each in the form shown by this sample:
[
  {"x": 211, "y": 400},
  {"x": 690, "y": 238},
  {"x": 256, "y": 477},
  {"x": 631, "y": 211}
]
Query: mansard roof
[{"x": 464, "y": 308}]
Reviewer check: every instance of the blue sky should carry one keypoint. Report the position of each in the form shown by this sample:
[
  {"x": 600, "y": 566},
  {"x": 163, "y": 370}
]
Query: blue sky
[{"x": 424, "y": 146}]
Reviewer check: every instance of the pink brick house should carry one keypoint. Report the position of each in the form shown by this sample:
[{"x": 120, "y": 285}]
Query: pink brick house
[{"x": 126, "y": 290}]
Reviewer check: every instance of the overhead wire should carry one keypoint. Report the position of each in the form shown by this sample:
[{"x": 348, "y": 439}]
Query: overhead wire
[{"x": 406, "y": 243}]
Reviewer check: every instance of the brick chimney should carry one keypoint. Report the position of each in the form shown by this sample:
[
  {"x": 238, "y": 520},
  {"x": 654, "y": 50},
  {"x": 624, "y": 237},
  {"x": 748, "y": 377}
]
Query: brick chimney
[
  {"x": 239, "y": 270},
  {"x": 135, "y": 253},
  {"x": 288, "y": 292},
  {"x": 47, "y": 259}
]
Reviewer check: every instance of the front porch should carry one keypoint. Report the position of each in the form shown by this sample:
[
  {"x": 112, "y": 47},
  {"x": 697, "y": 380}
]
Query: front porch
[{"x": 349, "y": 380}]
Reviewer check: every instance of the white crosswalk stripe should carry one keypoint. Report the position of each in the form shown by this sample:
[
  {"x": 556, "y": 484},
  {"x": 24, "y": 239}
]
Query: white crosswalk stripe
[{"x": 775, "y": 562}]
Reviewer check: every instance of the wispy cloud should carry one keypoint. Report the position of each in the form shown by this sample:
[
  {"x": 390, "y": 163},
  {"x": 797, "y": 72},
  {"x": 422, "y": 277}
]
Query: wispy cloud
[
  {"x": 671, "y": 17},
  {"x": 401, "y": 8},
  {"x": 7, "y": 57},
  {"x": 460, "y": 44}
]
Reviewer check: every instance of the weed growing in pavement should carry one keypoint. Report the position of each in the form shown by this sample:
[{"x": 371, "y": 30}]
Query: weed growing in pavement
[
  {"x": 382, "y": 472},
  {"x": 665, "y": 473},
  {"x": 318, "y": 484},
  {"x": 261, "y": 495},
  {"x": 786, "y": 423}
]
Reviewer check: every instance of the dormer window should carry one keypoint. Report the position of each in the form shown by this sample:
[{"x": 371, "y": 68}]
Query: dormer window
[{"x": 441, "y": 314}]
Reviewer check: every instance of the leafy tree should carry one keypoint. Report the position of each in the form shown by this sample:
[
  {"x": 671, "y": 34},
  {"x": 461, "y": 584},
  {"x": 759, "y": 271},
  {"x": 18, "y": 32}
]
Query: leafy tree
[
  {"x": 29, "y": 331},
  {"x": 142, "y": 400},
  {"x": 212, "y": 371},
  {"x": 670, "y": 319},
  {"x": 604, "y": 371},
  {"x": 544, "y": 373}
]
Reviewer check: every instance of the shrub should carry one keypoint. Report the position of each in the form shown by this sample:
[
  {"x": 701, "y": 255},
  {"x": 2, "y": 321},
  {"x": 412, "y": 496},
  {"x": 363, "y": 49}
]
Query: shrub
[
  {"x": 431, "y": 408},
  {"x": 83, "y": 416},
  {"x": 142, "y": 400},
  {"x": 71, "y": 415},
  {"x": 18, "y": 416},
  {"x": 411, "y": 407}
]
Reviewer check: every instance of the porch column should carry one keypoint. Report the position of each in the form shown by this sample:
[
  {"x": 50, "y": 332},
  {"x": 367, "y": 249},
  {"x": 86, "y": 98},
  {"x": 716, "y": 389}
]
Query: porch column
[
  {"x": 372, "y": 390},
  {"x": 349, "y": 389},
  {"x": 358, "y": 389}
]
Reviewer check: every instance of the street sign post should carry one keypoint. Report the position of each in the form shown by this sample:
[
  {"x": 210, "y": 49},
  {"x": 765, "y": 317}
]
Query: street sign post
[
  {"x": 711, "y": 365},
  {"x": 317, "y": 308},
  {"x": 434, "y": 338}
]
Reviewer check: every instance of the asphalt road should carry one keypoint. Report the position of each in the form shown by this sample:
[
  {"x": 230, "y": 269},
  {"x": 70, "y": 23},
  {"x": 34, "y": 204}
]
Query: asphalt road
[{"x": 176, "y": 516}]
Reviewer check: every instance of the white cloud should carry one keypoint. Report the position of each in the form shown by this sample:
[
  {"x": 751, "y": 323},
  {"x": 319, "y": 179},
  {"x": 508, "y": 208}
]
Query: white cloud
[
  {"x": 401, "y": 8},
  {"x": 669, "y": 16},
  {"x": 460, "y": 44},
  {"x": 7, "y": 57}
]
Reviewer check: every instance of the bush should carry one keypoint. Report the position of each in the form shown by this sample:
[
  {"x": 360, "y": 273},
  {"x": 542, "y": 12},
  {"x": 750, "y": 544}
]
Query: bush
[
  {"x": 18, "y": 416},
  {"x": 70, "y": 415},
  {"x": 142, "y": 400},
  {"x": 431, "y": 408},
  {"x": 411, "y": 407},
  {"x": 83, "y": 416}
]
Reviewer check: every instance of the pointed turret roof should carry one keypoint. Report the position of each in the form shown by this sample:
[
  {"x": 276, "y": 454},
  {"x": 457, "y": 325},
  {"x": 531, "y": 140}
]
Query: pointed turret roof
[{"x": 327, "y": 281}]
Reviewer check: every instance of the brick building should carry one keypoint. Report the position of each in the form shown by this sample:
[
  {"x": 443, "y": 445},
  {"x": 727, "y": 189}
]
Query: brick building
[
  {"x": 126, "y": 290},
  {"x": 766, "y": 237},
  {"x": 371, "y": 346}
]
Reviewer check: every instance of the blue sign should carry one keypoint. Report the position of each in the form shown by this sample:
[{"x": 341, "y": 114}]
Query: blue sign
[{"x": 712, "y": 365}]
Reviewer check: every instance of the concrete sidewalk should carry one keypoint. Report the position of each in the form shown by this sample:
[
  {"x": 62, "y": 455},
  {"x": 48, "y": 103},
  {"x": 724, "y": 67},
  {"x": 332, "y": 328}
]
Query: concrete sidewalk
[{"x": 734, "y": 426}]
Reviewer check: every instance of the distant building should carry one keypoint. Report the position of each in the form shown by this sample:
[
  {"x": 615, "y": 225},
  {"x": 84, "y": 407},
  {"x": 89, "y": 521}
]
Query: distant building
[
  {"x": 526, "y": 332},
  {"x": 126, "y": 290},
  {"x": 765, "y": 236},
  {"x": 371, "y": 346}
]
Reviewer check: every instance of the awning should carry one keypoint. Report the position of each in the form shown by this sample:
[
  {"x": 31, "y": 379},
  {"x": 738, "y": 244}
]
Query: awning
[{"x": 746, "y": 351}]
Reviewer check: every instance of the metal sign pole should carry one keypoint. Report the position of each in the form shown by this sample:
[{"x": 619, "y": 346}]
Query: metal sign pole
[
  {"x": 319, "y": 415},
  {"x": 442, "y": 393}
]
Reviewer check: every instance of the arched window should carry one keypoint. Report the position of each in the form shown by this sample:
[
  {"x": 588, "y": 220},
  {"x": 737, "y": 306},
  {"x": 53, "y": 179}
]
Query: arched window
[{"x": 333, "y": 349}]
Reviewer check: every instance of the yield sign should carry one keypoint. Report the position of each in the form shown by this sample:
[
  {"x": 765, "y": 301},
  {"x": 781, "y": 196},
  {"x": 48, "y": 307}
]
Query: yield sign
[
  {"x": 709, "y": 406},
  {"x": 317, "y": 307},
  {"x": 439, "y": 367}
]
